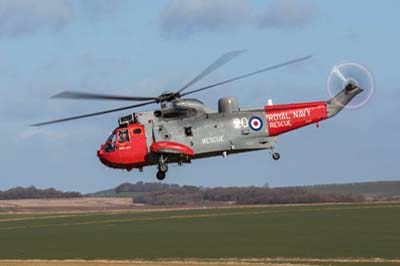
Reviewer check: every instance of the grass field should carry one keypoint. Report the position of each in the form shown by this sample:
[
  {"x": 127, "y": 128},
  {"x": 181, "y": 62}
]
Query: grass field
[
  {"x": 295, "y": 233},
  {"x": 220, "y": 262}
]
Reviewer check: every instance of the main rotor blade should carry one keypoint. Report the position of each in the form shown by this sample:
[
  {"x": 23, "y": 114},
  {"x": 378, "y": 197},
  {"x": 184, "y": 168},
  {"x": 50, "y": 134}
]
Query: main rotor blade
[
  {"x": 248, "y": 75},
  {"x": 222, "y": 60},
  {"x": 95, "y": 96},
  {"x": 92, "y": 114}
]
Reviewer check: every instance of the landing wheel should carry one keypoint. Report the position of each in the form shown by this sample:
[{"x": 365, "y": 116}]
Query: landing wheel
[
  {"x": 163, "y": 167},
  {"x": 276, "y": 156},
  {"x": 160, "y": 175}
]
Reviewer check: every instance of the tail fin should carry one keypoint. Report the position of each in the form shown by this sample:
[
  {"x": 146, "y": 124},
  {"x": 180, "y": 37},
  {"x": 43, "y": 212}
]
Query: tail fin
[{"x": 340, "y": 100}]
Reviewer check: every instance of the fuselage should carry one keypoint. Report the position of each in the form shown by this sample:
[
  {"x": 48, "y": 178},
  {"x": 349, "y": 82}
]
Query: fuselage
[{"x": 207, "y": 133}]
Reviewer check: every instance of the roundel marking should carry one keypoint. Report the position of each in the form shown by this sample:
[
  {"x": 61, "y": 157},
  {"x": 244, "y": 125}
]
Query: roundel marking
[{"x": 255, "y": 123}]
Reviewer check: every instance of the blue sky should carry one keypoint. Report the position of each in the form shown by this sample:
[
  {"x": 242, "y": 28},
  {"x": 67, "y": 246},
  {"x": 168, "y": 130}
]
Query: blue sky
[{"x": 146, "y": 47}]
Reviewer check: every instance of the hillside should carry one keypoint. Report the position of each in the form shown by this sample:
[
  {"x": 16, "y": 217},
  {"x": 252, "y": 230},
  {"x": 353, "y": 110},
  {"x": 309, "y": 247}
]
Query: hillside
[
  {"x": 367, "y": 189},
  {"x": 173, "y": 194}
]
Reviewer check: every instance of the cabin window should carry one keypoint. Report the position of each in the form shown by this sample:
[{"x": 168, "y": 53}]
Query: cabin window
[
  {"x": 188, "y": 131},
  {"x": 123, "y": 136},
  {"x": 137, "y": 131}
]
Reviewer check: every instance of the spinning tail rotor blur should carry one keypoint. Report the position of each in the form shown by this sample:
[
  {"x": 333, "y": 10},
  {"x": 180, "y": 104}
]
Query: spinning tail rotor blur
[{"x": 346, "y": 73}]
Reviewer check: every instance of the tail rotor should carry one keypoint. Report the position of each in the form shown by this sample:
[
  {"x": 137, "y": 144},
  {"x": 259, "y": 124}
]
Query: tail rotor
[{"x": 349, "y": 75}]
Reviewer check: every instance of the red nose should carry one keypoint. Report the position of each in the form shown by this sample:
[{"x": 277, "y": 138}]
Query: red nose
[
  {"x": 101, "y": 151},
  {"x": 106, "y": 158},
  {"x": 100, "y": 154}
]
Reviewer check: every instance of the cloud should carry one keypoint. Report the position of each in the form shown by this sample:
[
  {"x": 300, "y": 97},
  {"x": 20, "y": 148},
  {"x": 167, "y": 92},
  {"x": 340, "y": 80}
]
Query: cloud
[
  {"x": 286, "y": 14},
  {"x": 100, "y": 9},
  {"x": 19, "y": 17},
  {"x": 182, "y": 18},
  {"x": 26, "y": 17}
]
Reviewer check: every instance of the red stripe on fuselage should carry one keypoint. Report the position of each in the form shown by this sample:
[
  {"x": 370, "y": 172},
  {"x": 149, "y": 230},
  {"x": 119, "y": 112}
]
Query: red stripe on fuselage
[{"x": 286, "y": 117}]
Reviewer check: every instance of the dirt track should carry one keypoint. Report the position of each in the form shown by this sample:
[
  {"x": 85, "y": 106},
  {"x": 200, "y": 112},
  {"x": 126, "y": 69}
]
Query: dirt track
[
  {"x": 116, "y": 263},
  {"x": 89, "y": 204},
  {"x": 62, "y": 205}
]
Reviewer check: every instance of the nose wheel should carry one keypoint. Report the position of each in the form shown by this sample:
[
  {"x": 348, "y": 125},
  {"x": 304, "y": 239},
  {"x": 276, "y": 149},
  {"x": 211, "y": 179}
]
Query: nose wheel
[
  {"x": 276, "y": 156},
  {"x": 162, "y": 170},
  {"x": 160, "y": 175}
]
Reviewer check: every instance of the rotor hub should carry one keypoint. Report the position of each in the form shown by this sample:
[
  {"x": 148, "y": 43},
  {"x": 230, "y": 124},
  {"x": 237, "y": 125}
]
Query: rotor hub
[{"x": 167, "y": 96}]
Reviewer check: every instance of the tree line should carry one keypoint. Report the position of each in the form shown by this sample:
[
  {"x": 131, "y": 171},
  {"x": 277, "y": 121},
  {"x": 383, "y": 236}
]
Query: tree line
[
  {"x": 173, "y": 194},
  {"x": 165, "y": 194},
  {"x": 35, "y": 193}
]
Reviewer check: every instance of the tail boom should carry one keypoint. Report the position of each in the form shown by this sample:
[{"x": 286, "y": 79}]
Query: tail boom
[
  {"x": 286, "y": 117},
  {"x": 340, "y": 100}
]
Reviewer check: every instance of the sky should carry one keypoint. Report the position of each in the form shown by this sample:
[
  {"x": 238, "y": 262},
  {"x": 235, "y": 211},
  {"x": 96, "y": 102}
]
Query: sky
[{"x": 142, "y": 48}]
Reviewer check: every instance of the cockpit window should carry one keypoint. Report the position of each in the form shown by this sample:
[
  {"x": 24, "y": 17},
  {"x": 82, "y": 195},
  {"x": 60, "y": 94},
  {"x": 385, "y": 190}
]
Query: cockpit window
[
  {"x": 111, "y": 138},
  {"x": 123, "y": 136},
  {"x": 137, "y": 131},
  {"x": 110, "y": 143}
]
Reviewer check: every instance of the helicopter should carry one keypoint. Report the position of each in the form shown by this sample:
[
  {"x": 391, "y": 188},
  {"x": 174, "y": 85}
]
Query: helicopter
[{"x": 183, "y": 129}]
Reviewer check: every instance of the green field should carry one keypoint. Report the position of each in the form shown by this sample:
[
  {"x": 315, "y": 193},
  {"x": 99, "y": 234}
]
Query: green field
[{"x": 314, "y": 231}]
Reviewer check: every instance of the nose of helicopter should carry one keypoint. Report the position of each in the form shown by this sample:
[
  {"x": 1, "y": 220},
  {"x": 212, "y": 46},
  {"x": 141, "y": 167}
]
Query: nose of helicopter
[
  {"x": 102, "y": 155},
  {"x": 100, "y": 152}
]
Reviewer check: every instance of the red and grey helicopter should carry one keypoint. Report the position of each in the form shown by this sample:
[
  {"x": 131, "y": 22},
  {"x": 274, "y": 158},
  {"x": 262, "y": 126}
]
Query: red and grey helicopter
[{"x": 184, "y": 129}]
